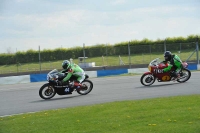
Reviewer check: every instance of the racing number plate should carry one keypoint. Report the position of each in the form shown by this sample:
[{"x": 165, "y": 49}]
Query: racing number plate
[{"x": 165, "y": 78}]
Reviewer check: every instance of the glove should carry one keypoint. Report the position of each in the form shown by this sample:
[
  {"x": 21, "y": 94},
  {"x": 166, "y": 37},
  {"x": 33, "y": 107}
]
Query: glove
[{"x": 158, "y": 70}]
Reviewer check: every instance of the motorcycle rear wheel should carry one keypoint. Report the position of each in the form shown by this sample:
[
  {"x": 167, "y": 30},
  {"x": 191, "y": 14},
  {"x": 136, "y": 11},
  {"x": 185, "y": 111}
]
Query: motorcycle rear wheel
[
  {"x": 87, "y": 87},
  {"x": 185, "y": 75},
  {"x": 147, "y": 79},
  {"x": 47, "y": 91}
]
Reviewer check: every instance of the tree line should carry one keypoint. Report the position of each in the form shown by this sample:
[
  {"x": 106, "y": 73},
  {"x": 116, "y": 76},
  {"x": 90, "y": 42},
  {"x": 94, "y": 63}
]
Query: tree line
[{"x": 97, "y": 50}]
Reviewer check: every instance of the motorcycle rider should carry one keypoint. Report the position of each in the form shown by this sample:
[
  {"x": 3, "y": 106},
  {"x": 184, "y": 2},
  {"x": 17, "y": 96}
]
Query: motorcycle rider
[
  {"x": 174, "y": 62},
  {"x": 72, "y": 69}
]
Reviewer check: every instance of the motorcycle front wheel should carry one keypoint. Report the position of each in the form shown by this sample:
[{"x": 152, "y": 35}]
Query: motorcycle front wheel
[
  {"x": 47, "y": 91},
  {"x": 147, "y": 79},
  {"x": 86, "y": 88}
]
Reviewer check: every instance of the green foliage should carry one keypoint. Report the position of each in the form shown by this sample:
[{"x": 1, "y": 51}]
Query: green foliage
[
  {"x": 138, "y": 47},
  {"x": 178, "y": 114},
  {"x": 109, "y": 60},
  {"x": 7, "y": 59}
]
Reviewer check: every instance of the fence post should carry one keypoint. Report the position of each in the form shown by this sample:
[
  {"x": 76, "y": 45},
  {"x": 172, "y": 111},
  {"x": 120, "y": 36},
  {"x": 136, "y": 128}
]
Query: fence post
[
  {"x": 84, "y": 55},
  {"x": 165, "y": 45},
  {"x": 17, "y": 68},
  {"x": 106, "y": 54},
  {"x": 39, "y": 59},
  {"x": 150, "y": 50},
  {"x": 129, "y": 54},
  {"x": 197, "y": 50},
  {"x": 180, "y": 50}
]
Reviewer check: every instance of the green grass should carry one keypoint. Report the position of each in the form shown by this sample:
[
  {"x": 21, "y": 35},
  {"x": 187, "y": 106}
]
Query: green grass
[
  {"x": 180, "y": 114},
  {"x": 99, "y": 61}
]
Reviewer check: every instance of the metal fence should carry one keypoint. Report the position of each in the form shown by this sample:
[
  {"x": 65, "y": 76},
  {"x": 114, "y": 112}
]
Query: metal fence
[
  {"x": 145, "y": 53},
  {"x": 111, "y": 56}
]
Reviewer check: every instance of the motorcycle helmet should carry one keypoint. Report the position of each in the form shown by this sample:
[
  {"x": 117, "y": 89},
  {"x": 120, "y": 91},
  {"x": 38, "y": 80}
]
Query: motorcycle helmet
[
  {"x": 65, "y": 64},
  {"x": 167, "y": 55}
]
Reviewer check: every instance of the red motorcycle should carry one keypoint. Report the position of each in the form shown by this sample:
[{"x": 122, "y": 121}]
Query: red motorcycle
[{"x": 148, "y": 78}]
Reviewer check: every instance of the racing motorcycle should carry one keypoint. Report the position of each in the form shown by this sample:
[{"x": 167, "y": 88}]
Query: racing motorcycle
[
  {"x": 48, "y": 90},
  {"x": 148, "y": 78}
]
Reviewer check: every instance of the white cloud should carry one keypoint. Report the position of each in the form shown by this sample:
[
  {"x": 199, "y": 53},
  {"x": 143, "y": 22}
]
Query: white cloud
[
  {"x": 19, "y": 1},
  {"x": 69, "y": 28},
  {"x": 118, "y": 2}
]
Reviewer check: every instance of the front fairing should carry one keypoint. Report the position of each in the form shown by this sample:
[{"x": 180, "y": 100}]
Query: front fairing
[
  {"x": 52, "y": 75},
  {"x": 159, "y": 64},
  {"x": 154, "y": 64},
  {"x": 53, "y": 72}
]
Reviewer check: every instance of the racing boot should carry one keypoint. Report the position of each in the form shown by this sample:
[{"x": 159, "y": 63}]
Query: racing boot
[
  {"x": 176, "y": 77},
  {"x": 77, "y": 85}
]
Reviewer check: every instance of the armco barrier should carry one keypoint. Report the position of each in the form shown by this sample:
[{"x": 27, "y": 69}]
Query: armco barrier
[
  {"x": 138, "y": 70},
  {"x": 43, "y": 77},
  {"x": 111, "y": 72},
  {"x": 15, "y": 79},
  {"x": 98, "y": 73},
  {"x": 192, "y": 67},
  {"x": 38, "y": 77},
  {"x": 198, "y": 67}
]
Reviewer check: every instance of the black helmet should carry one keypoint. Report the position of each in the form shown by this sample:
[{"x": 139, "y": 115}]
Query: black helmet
[
  {"x": 167, "y": 55},
  {"x": 65, "y": 64}
]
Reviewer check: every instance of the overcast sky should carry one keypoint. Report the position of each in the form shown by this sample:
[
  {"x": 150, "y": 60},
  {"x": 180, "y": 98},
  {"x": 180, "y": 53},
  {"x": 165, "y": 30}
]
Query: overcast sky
[{"x": 50, "y": 24}]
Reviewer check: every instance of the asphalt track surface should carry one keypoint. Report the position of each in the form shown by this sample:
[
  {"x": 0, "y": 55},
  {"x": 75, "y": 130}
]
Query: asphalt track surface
[{"x": 24, "y": 98}]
